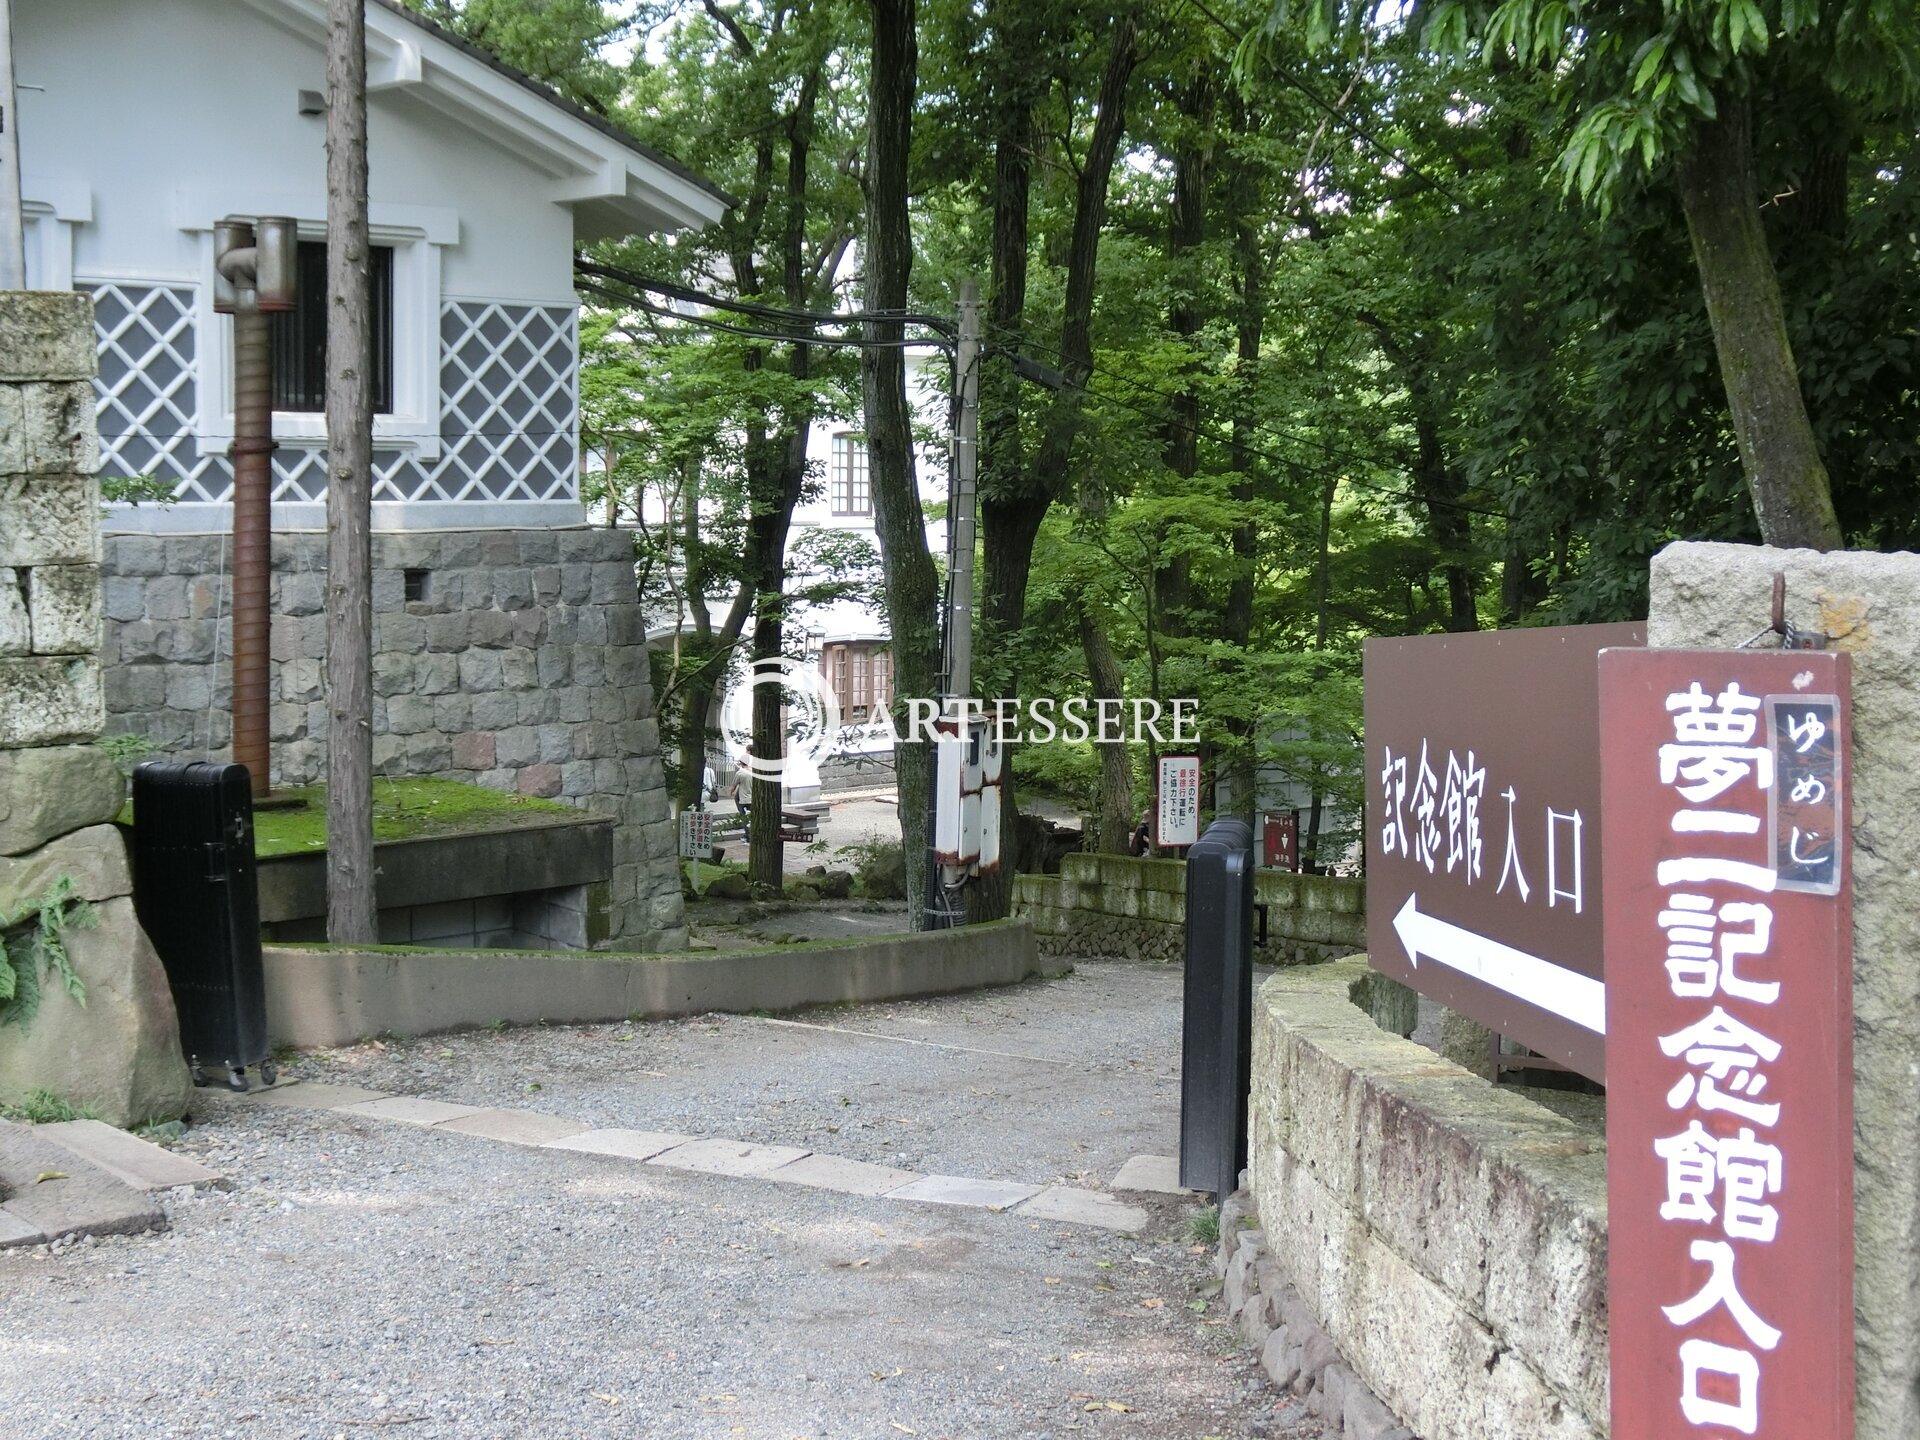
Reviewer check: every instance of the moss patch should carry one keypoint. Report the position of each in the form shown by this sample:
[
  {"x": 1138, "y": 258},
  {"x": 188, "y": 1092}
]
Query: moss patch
[{"x": 402, "y": 810}]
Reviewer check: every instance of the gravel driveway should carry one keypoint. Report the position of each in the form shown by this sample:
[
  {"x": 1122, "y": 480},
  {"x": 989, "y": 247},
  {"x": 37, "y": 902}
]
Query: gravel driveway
[{"x": 365, "y": 1275}]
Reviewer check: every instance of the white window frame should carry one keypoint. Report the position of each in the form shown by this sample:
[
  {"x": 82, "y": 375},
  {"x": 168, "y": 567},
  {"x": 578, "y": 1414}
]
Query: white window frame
[
  {"x": 416, "y": 235},
  {"x": 846, "y": 458}
]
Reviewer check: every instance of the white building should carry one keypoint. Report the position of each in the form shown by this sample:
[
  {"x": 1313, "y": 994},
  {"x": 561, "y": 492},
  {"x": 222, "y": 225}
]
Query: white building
[
  {"x": 509, "y": 647},
  {"x": 852, "y": 639},
  {"x": 142, "y": 124}
]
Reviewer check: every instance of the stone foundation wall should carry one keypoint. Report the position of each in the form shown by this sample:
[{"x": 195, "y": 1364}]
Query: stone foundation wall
[
  {"x": 120, "y": 1051},
  {"x": 1119, "y": 907},
  {"x": 1449, "y": 1237},
  {"x": 514, "y": 659}
]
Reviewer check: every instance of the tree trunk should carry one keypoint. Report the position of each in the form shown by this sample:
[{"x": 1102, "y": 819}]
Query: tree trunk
[
  {"x": 1114, "y": 823},
  {"x": 911, "y": 586},
  {"x": 1791, "y": 494},
  {"x": 352, "y": 913}
]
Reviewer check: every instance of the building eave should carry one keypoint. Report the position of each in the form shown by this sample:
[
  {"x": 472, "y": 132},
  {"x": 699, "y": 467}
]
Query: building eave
[{"x": 612, "y": 182}]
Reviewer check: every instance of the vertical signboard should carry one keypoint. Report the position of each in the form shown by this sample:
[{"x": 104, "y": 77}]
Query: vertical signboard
[
  {"x": 1280, "y": 840},
  {"x": 1483, "y": 828},
  {"x": 1729, "y": 1043},
  {"x": 1179, "y": 813}
]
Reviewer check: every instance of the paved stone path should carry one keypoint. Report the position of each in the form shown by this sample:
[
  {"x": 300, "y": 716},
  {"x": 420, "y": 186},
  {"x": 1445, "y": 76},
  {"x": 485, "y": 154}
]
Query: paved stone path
[
  {"x": 544, "y": 1232},
  {"x": 717, "y": 1155}
]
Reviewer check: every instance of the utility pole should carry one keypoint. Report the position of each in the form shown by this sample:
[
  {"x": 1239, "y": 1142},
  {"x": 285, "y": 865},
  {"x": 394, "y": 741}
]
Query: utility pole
[
  {"x": 943, "y": 908},
  {"x": 352, "y": 916},
  {"x": 13, "y": 235},
  {"x": 962, "y": 502}
]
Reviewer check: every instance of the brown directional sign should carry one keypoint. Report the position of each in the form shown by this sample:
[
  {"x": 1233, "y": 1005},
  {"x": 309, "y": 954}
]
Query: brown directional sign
[
  {"x": 1729, "y": 918},
  {"x": 1483, "y": 828}
]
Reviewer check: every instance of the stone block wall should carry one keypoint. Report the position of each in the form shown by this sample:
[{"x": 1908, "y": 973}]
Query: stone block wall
[
  {"x": 514, "y": 659},
  {"x": 49, "y": 525},
  {"x": 1119, "y": 907},
  {"x": 1449, "y": 1237},
  {"x": 120, "y": 1051}
]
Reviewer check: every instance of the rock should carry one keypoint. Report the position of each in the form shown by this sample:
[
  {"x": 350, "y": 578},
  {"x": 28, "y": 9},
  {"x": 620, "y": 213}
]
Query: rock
[
  {"x": 730, "y": 886},
  {"x": 50, "y": 700},
  {"x": 1254, "y": 1324},
  {"x": 816, "y": 871},
  {"x": 49, "y": 791},
  {"x": 837, "y": 884},
  {"x": 95, "y": 859},
  {"x": 1280, "y": 1358},
  {"x": 1331, "y": 1400},
  {"x": 802, "y": 894},
  {"x": 120, "y": 1052},
  {"x": 1366, "y": 1418},
  {"x": 1318, "y": 1354}
]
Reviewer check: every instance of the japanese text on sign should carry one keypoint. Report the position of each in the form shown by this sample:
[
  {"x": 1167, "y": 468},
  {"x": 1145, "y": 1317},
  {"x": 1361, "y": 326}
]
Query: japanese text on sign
[
  {"x": 696, "y": 833},
  {"x": 1729, "y": 1145},
  {"x": 1179, "y": 817}
]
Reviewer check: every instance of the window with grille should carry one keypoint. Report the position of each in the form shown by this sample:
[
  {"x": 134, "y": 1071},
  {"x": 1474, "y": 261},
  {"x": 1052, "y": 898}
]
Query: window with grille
[
  {"x": 299, "y": 336},
  {"x": 847, "y": 490}
]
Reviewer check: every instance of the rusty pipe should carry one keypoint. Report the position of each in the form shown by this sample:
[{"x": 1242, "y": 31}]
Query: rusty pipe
[{"x": 252, "y": 454}]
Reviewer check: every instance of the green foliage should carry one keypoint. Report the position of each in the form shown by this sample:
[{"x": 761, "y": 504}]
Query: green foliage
[
  {"x": 33, "y": 950},
  {"x": 879, "y": 868},
  {"x": 134, "y": 489},
  {"x": 1203, "y": 1227},
  {"x": 46, "y": 1107},
  {"x": 127, "y": 750}
]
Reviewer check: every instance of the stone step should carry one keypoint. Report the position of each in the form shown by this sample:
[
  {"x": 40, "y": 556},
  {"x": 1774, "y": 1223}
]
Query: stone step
[
  {"x": 48, "y": 1191},
  {"x": 143, "y": 1165}
]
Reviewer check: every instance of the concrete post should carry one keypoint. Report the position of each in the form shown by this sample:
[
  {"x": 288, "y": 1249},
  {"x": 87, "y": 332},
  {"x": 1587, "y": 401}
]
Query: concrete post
[{"x": 1714, "y": 596}]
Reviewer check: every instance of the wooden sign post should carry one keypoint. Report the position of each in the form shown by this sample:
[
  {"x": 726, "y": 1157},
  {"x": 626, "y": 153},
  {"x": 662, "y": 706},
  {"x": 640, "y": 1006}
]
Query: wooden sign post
[{"x": 1729, "y": 1022}]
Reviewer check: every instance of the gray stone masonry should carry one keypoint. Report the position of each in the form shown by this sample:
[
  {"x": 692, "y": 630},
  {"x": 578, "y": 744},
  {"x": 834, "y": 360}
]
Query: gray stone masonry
[
  {"x": 1716, "y": 596},
  {"x": 49, "y": 523},
  {"x": 1447, "y": 1236},
  {"x": 522, "y": 666},
  {"x": 1120, "y": 907},
  {"x": 119, "y": 1051}
]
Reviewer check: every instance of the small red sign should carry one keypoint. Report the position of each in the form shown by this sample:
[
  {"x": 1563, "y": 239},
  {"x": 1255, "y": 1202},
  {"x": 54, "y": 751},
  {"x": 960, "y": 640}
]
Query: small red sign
[
  {"x": 1280, "y": 840},
  {"x": 1729, "y": 913}
]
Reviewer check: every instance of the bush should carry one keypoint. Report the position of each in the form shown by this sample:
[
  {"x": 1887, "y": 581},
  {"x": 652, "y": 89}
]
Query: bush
[{"x": 879, "y": 868}]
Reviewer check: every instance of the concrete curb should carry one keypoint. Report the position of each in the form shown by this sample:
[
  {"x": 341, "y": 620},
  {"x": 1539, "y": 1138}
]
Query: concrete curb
[{"x": 321, "y": 995}]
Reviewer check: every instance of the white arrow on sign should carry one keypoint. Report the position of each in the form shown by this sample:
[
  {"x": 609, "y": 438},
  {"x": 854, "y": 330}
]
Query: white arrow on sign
[{"x": 1553, "y": 988}]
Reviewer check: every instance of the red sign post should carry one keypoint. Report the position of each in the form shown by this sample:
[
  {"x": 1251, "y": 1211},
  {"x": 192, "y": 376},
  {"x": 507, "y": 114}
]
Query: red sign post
[
  {"x": 1280, "y": 840},
  {"x": 1729, "y": 909}
]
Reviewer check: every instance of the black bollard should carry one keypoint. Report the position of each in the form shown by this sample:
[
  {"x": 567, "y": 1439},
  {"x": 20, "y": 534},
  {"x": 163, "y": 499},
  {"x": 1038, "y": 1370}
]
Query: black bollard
[{"x": 1217, "y": 1037}]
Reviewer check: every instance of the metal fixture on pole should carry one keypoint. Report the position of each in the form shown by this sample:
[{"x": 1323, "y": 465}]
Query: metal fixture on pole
[
  {"x": 946, "y": 878},
  {"x": 13, "y": 241},
  {"x": 254, "y": 276}
]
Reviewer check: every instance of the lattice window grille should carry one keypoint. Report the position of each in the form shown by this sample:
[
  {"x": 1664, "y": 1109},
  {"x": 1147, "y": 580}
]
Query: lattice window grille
[
  {"x": 508, "y": 406},
  {"x": 146, "y": 392},
  {"x": 509, "y": 417}
]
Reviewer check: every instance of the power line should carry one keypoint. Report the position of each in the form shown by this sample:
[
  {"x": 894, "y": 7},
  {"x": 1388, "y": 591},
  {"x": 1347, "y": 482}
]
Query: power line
[
  {"x": 688, "y": 295},
  {"x": 815, "y": 317},
  {"x": 707, "y": 322}
]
